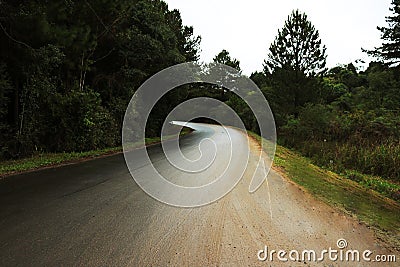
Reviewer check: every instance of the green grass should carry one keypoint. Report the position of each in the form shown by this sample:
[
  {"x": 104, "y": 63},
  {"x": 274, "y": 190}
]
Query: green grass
[
  {"x": 383, "y": 186},
  {"x": 376, "y": 210},
  {"x": 53, "y": 159},
  {"x": 376, "y": 159},
  {"x": 49, "y": 159}
]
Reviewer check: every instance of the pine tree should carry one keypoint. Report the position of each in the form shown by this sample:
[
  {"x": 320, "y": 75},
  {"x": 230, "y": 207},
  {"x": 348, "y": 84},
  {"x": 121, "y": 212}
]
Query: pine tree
[
  {"x": 295, "y": 59},
  {"x": 224, "y": 57},
  {"x": 297, "y": 46},
  {"x": 390, "y": 49}
]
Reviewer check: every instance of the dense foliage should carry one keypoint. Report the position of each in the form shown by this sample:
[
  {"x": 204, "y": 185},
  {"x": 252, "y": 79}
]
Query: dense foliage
[
  {"x": 355, "y": 124},
  {"x": 390, "y": 49},
  {"x": 348, "y": 119},
  {"x": 69, "y": 68}
]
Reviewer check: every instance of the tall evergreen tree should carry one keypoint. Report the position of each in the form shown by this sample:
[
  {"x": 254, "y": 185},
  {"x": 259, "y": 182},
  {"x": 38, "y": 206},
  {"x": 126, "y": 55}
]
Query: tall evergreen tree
[
  {"x": 390, "y": 49},
  {"x": 297, "y": 46},
  {"x": 295, "y": 57}
]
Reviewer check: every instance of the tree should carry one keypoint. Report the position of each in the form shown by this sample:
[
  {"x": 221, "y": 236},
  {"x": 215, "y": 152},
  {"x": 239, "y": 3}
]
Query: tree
[
  {"x": 223, "y": 57},
  {"x": 390, "y": 49},
  {"x": 297, "y": 46},
  {"x": 295, "y": 58},
  {"x": 222, "y": 74},
  {"x": 69, "y": 68}
]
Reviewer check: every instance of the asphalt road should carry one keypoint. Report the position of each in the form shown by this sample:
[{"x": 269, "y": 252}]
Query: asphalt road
[{"x": 94, "y": 214}]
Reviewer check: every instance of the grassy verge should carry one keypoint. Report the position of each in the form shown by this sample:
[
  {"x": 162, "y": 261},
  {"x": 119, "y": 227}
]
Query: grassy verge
[
  {"x": 54, "y": 159},
  {"x": 373, "y": 166},
  {"x": 383, "y": 186},
  {"x": 370, "y": 207},
  {"x": 49, "y": 159}
]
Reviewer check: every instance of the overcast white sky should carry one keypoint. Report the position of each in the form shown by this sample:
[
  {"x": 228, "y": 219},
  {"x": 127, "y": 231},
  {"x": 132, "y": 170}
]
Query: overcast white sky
[{"x": 246, "y": 28}]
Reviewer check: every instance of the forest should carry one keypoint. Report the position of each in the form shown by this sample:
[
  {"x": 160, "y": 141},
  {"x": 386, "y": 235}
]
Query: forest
[{"x": 69, "y": 68}]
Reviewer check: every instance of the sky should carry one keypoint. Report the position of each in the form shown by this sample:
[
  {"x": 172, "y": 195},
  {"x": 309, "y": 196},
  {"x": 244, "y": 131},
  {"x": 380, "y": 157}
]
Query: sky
[{"x": 246, "y": 28}]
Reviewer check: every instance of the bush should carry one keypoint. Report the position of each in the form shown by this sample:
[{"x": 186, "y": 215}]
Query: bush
[{"x": 83, "y": 124}]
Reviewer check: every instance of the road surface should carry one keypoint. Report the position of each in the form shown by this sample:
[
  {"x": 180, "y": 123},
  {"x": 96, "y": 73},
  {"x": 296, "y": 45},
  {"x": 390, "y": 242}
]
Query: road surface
[{"x": 94, "y": 214}]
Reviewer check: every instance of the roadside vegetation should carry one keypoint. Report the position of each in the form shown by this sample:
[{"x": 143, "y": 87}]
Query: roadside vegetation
[
  {"x": 345, "y": 119},
  {"x": 50, "y": 159},
  {"x": 68, "y": 70},
  {"x": 43, "y": 160}
]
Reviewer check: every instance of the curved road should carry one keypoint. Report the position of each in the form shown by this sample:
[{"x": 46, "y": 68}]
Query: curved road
[{"x": 94, "y": 214}]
